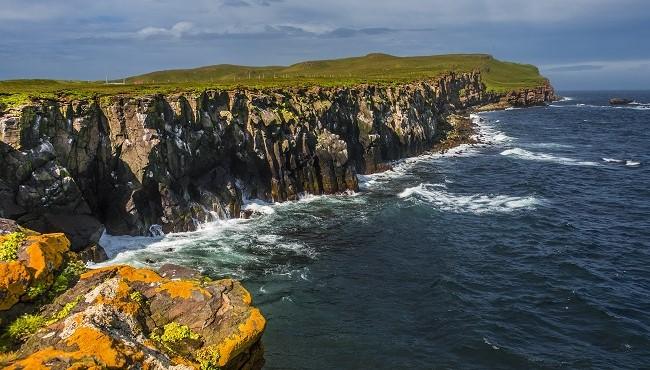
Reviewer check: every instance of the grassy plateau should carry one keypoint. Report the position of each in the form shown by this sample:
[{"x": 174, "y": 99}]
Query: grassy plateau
[{"x": 381, "y": 69}]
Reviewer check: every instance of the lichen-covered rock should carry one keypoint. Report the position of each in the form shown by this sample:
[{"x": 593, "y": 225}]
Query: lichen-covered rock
[
  {"x": 168, "y": 163},
  {"x": 36, "y": 262},
  {"x": 124, "y": 317},
  {"x": 14, "y": 282}
]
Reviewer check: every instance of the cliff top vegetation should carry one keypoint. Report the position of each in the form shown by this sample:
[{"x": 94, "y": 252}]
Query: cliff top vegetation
[{"x": 378, "y": 69}]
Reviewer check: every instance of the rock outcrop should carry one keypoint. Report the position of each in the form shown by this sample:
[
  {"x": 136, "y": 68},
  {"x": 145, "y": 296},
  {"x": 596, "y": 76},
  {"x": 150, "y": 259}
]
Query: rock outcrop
[
  {"x": 29, "y": 264},
  {"x": 167, "y": 163},
  {"x": 538, "y": 96},
  {"x": 119, "y": 316},
  {"x": 620, "y": 101}
]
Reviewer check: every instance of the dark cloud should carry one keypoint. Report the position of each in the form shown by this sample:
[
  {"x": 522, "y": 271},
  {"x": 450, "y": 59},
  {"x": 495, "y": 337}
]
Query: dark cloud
[{"x": 86, "y": 39}]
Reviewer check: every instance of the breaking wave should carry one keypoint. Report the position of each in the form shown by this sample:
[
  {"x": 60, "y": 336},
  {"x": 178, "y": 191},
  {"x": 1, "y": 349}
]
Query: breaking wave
[
  {"x": 437, "y": 195},
  {"x": 545, "y": 157},
  {"x": 628, "y": 163}
]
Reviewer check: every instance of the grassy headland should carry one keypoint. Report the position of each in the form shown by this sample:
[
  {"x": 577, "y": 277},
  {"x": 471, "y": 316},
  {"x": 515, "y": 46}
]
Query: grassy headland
[{"x": 373, "y": 68}]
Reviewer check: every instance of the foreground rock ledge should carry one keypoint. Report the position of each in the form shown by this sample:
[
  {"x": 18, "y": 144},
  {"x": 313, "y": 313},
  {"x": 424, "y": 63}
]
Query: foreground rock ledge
[{"x": 125, "y": 317}]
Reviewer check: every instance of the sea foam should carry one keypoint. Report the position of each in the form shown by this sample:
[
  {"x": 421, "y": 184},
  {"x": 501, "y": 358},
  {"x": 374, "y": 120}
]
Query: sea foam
[
  {"x": 439, "y": 197},
  {"x": 545, "y": 157}
]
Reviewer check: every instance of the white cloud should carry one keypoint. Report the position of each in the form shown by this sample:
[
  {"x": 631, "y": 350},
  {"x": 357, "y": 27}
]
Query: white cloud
[{"x": 176, "y": 31}]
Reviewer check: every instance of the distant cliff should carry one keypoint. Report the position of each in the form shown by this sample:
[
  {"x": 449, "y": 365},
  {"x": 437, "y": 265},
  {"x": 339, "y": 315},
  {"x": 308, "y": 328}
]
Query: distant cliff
[{"x": 170, "y": 162}]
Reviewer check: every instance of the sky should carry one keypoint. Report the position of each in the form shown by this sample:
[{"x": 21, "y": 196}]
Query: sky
[{"x": 578, "y": 44}]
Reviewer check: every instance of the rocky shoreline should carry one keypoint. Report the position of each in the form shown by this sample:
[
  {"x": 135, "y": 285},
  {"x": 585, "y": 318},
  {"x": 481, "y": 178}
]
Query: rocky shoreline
[{"x": 142, "y": 166}]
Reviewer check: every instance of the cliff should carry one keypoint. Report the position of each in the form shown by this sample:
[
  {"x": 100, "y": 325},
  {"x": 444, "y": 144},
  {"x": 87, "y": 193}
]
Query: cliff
[
  {"x": 56, "y": 314},
  {"x": 142, "y": 165}
]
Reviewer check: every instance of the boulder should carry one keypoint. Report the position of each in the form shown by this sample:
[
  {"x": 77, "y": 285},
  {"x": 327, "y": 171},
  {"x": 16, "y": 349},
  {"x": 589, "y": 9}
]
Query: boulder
[
  {"x": 94, "y": 253},
  {"x": 620, "y": 101},
  {"x": 124, "y": 317},
  {"x": 36, "y": 262}
]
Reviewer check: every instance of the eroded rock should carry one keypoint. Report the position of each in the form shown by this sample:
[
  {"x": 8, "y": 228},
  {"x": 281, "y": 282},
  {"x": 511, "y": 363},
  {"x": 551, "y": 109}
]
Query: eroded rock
[
  {"x": 169, "y": 163},
  {"x": 123, "y": 317}
]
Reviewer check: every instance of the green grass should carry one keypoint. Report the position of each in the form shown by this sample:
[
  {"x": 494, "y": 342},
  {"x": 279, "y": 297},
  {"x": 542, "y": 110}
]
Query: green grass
[
  {"x": 24, "y": 326},
  {"x": 378, "y": 69}
]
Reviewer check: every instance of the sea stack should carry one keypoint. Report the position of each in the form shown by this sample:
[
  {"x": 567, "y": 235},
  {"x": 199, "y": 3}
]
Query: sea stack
[{"x": 620, "y": 101}]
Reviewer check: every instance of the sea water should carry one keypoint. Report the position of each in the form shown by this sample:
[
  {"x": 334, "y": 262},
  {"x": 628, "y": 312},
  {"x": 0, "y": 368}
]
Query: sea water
[{"x": 531, "y": 250}]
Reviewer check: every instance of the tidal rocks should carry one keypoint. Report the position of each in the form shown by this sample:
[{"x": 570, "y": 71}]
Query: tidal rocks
[
  {"x": 620, "y": 101},
  {"x": 123, "y": 317},
  {"x": 169, "y": 163}
]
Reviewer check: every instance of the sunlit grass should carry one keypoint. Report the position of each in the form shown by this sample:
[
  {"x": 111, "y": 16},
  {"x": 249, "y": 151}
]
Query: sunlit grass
[{"x": 380, "y": 69}]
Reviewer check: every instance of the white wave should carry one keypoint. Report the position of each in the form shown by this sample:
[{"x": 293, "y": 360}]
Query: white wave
[
  {"x": 116, "y": 244},
  {"x": 566, "y": 98},
  {"x": 258, "y": 206},
  {"x": 512, "y": 108},
  {"x": 545, "y": 157},
  {"x": 628, "y": 106},
  {"x": 487, "y": 133},
  {"x": 436, "y": 195},
  {"x": 486, "y": 341},
  {"x": 549, "y": 146},
  {"x": 629, "y": 163}
]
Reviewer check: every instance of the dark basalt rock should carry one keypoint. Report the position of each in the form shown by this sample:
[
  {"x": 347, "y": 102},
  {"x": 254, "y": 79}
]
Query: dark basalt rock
[
  {"x": 168, "y": 163},
  {"x": 620, "y": 101}
]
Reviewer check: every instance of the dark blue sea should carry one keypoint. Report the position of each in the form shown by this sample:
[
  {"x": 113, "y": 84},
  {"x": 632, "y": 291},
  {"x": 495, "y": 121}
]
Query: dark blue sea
[{"x": 530, "y": 251}]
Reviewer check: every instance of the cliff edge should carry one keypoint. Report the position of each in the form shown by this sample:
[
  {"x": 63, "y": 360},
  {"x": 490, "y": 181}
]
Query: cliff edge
[{"x": 166, "y": 163}]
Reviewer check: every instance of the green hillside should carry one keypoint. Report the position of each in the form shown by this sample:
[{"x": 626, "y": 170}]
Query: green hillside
[{"x": 372, "y": 68}]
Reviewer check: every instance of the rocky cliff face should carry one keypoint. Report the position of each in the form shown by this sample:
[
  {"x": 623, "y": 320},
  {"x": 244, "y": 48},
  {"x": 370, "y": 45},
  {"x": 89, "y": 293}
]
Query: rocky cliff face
[{"x": 167, "y": 163}]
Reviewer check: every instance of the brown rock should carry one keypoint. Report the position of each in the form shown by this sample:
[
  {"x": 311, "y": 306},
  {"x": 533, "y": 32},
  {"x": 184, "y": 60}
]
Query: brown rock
[{"x": 94, "y": 253}]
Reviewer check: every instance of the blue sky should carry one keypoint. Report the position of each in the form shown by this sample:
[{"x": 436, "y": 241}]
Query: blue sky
[{"x": 579, "y": 44}]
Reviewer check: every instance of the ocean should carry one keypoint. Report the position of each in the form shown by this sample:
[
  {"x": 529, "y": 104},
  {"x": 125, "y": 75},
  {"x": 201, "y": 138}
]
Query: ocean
[{"x": 530, "y": 250}]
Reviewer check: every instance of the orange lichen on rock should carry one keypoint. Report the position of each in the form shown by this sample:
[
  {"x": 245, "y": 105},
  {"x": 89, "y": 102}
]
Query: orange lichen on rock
[
  {"x": 14, "y": 282},
  {"x": 108, "y": 351},
  {"x": 38, "y": 360},
  {"x": 39, "y": 258},
  {"x": 44, "y": 254},
  {"x": 127, "y": 272},
  {"x": 122, "y": 301},
  {"x": 120, "y": 316},
  {"x": 248, "y": 332},
  {"x": 91, "y": 348},
  {"x": 183, "y": 289}
]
